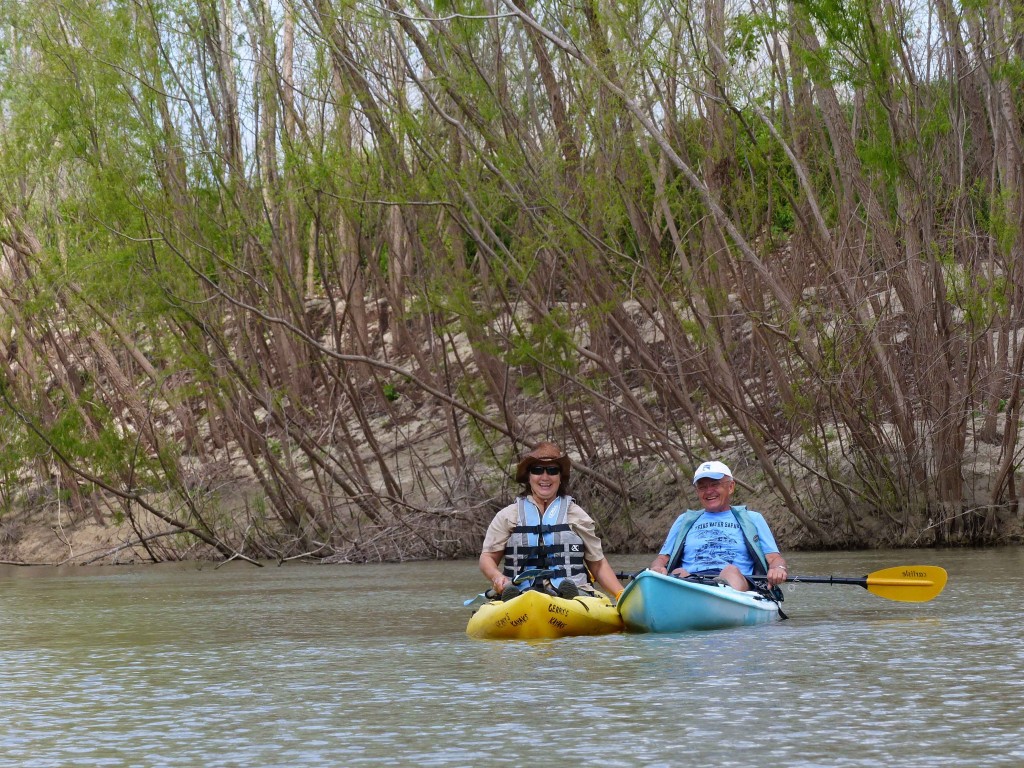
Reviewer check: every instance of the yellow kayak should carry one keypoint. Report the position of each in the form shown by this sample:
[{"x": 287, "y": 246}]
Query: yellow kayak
[{"x": 536, "y": 615}]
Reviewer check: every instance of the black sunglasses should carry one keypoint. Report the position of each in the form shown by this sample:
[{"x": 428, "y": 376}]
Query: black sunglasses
[{"x": 542, "y": 470}]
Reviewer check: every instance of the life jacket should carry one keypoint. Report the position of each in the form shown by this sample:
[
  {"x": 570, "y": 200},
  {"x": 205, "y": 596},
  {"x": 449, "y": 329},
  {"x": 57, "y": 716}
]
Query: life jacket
[
  {"x": 545, "y": 541},
  {"x": 750, "y": 538}
]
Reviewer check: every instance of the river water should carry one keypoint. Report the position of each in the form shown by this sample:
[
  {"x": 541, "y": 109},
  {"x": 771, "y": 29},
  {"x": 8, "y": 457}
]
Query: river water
[{"x": 193, "y": 665}]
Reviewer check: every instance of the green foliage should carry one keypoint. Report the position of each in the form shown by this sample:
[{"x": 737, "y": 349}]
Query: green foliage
[
  {"x": 783, "y": 220},
  {"x": 935, "y": 117},
  {"x": 115, "y": 154},
  {"x": 14, "y": 450},
  {"x": 981, "y": 298},
  {"x": 1010, "y": 70},
  {"x": 274, "y": 447},
  {"x": 548, "y": 342},
  {"x": 85, "y": 434},
  {"x": 1004, "y": 221},
  {"x": 746, "y": 32}
]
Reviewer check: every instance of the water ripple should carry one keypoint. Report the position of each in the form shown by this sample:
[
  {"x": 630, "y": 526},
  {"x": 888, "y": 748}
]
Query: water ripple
[{"x": 354, "y": 666}]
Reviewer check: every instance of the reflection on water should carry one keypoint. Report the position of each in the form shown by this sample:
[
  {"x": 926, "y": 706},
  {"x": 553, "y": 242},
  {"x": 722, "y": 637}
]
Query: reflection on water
[{"x": 190, "y": 665}]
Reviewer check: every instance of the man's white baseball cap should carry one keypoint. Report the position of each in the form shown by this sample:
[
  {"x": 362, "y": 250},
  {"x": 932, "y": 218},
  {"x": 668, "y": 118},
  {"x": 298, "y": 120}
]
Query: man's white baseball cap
[{"x": 716, "y": 470}]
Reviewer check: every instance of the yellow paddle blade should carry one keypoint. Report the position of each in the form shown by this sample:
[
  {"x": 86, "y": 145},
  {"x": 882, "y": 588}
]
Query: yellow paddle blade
[{"x": 908, "y": 583}]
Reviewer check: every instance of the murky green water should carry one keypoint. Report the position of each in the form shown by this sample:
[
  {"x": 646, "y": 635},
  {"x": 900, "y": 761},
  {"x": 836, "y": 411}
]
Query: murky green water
[{"x": 189, "y": 665}]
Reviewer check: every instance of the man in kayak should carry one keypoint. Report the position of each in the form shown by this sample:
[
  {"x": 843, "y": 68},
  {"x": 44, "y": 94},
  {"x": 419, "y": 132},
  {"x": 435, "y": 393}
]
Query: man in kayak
[
  {"x": 722, "y": 541},
  {"x": 545, "y": 529}
]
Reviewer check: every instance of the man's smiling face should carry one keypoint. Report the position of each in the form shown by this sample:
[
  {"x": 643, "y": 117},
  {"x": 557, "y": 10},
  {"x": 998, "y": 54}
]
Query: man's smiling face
[{"x": 715, "y": 494}]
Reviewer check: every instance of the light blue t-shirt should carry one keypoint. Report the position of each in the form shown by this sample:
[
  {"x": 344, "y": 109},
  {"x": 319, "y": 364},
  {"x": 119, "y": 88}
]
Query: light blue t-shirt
[{"x": 715, "y": 541}]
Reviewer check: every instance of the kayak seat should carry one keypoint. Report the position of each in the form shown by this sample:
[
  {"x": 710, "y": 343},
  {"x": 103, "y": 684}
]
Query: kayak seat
[{"x": 510, "y": 593}]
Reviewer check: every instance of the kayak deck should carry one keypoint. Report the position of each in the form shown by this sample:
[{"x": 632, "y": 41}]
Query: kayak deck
[
  {"x": 535, "y": 615},
  {"x": 654, "y": 602}
]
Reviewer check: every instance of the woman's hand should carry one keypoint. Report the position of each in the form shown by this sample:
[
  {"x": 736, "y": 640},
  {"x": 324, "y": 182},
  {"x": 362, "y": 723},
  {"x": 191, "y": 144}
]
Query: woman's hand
[{"x": 499, "y": 582}]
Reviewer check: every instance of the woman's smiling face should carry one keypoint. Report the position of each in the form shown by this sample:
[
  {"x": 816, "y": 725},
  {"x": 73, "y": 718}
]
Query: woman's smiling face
[{"x": 544, "y": 486}]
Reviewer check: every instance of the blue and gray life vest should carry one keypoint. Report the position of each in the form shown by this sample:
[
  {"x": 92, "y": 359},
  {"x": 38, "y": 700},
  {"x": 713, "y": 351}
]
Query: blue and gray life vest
[
  {"x": 750, "y": 537},
  {"x": 545, "y": 541}
]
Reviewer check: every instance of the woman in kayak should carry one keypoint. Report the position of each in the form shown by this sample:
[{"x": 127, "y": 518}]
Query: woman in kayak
[
  {"x": 545, "y": 529},
  {"x": 722, "y": 541}
]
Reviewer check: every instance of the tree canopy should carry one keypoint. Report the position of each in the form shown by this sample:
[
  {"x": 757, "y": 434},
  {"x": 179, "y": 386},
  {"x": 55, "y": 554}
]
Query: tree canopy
[{"x": 289, "y": 241}]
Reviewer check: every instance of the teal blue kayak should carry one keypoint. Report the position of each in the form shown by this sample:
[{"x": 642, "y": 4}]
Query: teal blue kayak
[{"x": 653, "y": 602}]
